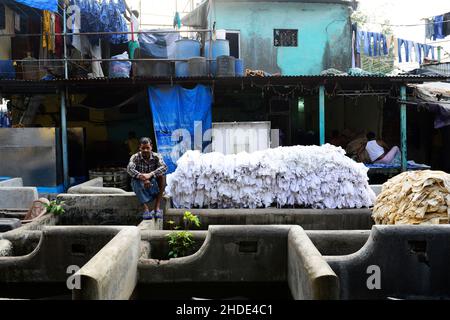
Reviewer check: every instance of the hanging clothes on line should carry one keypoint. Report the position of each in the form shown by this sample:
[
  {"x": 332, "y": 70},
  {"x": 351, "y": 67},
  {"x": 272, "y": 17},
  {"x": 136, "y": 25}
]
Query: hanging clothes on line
[
  {"x": 59, "y": 41},
  {"x": 107, "y": 16},
  {"x": 438, "y": 27},
  {"x": 446, "y": 27},
  {"x": 418, "y": 51},
  {"x": 426, "y": 49},
  {"x": 48, "y": 28},
  {"x": 375, "y": 44},
  {"x": 404, "y": 43},
  {"x": 421, "y": 51},
  {"x": 429, "y": 28}
]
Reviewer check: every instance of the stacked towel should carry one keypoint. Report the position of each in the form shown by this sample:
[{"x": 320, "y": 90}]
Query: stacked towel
[{"x": 309, "y": 176}]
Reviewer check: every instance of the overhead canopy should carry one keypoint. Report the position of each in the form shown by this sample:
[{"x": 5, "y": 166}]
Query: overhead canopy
[
  {"x": 50, "y": 5},
  {"x": 436, "y": 97},
  {"x": 197, "y": 18}
]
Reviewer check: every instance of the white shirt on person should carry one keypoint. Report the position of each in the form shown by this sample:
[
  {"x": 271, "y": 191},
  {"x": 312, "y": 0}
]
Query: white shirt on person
[{"x": 374, "y": 150}]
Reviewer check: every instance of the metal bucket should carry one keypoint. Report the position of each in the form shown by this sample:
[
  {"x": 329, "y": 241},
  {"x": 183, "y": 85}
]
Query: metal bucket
[
  {"x": 226, "y": 66},
  {"x": 197, "y": 67},
  {"x": 112, "y": 177}
]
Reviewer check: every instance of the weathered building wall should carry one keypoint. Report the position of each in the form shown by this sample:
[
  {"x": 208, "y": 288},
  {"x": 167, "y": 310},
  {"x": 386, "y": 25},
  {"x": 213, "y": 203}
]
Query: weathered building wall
[
  {"x": 5, "y": 42},
  {"x": 324, "y": 35}
]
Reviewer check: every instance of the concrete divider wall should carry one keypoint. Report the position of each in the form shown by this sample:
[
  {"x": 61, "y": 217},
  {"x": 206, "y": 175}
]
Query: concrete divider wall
[
  {"x": 337, "y": 243},
  {"x": 36, "y": 225},
  {"x": 94, "y": 186},
  {"x": 308, "y": 219},
  {"x": 112, "y": 273},
  {"x": 229, "y": 254},
  {"x": 328, "y": 242},
  {"x": 92, "y": 209},
  {"x": 6, "y": 248},
  {"x": 58, "y": 248},
  {"x": 23, "y": 243},
  {"x": 248, "y": 254},
  {"x": 17, "y": 197},
  {"x": 409, "y": 261},
  {"x": 14, "y": 182},
  {"x": 309, "y": 276}
]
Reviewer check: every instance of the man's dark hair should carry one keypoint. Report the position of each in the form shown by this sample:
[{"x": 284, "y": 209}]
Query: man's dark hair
[
  {"x": 335, "y": 133},
  {"x": 135, "y": 13},
  {"x": 371, "y": 136},
  {"x": 146, "y": 141}
]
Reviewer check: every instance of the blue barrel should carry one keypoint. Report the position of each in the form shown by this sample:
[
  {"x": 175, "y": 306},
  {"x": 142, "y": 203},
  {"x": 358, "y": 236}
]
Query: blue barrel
[
  {"x": 239, "y": 68},
  {"x": 185, "y": 49},
  {"x": 219, "y": 48}
]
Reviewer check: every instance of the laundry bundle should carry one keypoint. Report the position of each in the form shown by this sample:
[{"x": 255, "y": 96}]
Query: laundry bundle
[
  {"x": 413, "y": 197},
  {"x": 308, "y": 176}
]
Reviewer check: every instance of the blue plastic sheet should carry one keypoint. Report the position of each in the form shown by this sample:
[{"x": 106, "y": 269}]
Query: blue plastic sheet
[
  {"x": 7, "y": 70},
  {"x": 175, "y": 108},
  {"x": 158, "y": 44},
  {"x": 50, "y": 5}
]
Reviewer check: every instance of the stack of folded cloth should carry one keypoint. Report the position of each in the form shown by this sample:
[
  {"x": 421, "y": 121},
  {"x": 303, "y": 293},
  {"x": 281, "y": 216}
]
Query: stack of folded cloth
[{"x": 307, "y": 176}]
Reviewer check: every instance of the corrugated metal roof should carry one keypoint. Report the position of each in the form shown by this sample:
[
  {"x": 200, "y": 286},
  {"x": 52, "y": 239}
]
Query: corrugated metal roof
[
  {"x": 439, "y": 68},
  {"x": 105, "y": 84},
  {"x": 207, "y": 78}
]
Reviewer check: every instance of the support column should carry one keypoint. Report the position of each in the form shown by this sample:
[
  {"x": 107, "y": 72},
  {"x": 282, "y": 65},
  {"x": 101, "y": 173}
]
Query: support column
[
  {"x": 439, "y": 53},
  {"x": 65, "y": 157},
  {"x": 322, "y": 114},
  {"x": 403, "y": 130},
  {"x": 66, "y": 68}
]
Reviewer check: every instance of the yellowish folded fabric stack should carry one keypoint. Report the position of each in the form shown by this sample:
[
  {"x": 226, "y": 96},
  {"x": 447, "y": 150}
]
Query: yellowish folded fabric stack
[{"x": 415, "y": 197}]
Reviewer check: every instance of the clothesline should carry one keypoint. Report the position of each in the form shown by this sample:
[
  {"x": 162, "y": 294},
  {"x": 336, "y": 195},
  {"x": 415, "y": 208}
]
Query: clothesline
[{"x": 402, "y": 25}]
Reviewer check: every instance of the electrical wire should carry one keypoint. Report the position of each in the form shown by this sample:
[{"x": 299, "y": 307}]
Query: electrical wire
[{"x": 402, "y": 25}]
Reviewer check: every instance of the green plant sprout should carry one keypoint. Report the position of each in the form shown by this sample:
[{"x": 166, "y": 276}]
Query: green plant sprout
[
  {"x": 190, "y": 219},
  {"x": 180, "y": 242},
  {"x": 55, "y": 207}
]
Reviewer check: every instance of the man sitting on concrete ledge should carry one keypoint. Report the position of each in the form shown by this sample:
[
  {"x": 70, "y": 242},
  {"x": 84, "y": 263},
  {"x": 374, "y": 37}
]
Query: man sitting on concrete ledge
[{"x": 147, "y": 170}]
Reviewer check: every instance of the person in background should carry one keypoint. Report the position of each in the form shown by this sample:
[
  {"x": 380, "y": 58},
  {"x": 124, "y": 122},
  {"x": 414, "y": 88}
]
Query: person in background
[
  {"x": 132, "y": 142},
  {"x": 133, "y": 43},
  {"x": 336, "y": 139},
  {"x": 379, "y": 151},
  {"x": 147, "y": 170}
]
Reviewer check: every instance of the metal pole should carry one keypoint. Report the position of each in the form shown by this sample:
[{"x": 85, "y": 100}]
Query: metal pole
[
  {"x": 403, "y": 129},
  {"x": 66, "y": 69},
  {"x": 322, "y": 114},
  {"x": 65, "y": 157},
  {"x": 439, "y": 53}
]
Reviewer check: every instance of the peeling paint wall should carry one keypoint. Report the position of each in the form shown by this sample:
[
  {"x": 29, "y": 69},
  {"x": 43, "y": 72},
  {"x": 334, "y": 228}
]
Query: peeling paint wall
[
  {"x": 324, "y": 35},
  {"x": 5, "y": 42}
]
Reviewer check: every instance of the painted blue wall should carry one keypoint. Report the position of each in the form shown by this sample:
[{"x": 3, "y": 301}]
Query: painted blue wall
[{"x": 324, "y": 35}]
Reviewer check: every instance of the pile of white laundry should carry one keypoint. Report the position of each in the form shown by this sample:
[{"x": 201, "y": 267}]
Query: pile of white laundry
[{"x": 308, "y": 176}]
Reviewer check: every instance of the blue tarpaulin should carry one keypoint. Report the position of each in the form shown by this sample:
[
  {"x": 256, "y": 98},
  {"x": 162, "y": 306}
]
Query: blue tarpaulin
[
  {"x": 51, "y": 5},
  {"x": 176, "y": 108}
]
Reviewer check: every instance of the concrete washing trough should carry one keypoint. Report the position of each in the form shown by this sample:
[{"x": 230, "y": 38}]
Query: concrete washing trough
[
  {"x": 287, "y": 262},
  {"x": 38, "y": 264},
  {"x": 228, "y": 262}
]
